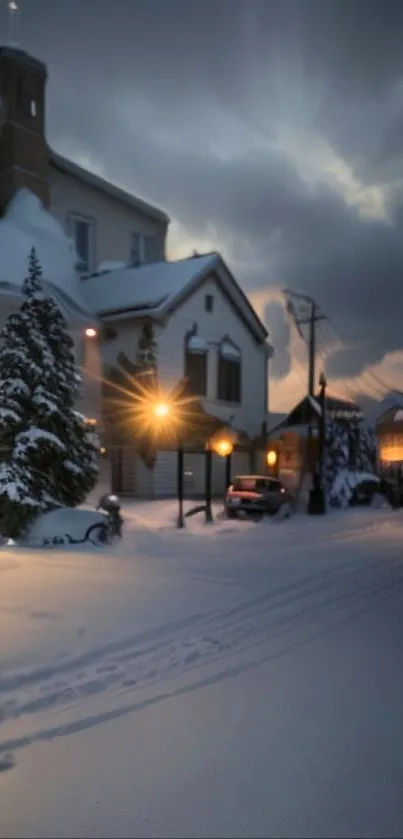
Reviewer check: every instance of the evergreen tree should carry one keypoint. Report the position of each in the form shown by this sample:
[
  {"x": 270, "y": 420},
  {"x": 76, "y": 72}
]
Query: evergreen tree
[{"x": 47, "y": 443}]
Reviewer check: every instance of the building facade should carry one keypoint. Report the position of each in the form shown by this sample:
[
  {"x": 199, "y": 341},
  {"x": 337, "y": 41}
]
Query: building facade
[
  {"x": 105, "y": 222},
  {"x": 104, "y": 250}
]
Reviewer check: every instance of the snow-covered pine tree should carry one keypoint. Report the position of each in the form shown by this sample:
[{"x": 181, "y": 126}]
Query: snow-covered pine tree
[
  {"x": 17, "y": 503},
  {"x": 52, "y": 446},
  {"x": 65, "y": 443}
]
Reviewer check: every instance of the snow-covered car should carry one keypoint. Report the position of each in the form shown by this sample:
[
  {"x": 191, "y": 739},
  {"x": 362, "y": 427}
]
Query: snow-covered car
[
  {"x": 70, "y": 526},
  {"x": 254, "y": 494}
]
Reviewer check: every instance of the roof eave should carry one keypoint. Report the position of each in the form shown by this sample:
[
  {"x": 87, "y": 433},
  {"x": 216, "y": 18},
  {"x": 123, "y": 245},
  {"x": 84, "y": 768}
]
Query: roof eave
[
  {"x": 69, "y": 167},
  {"x": 217, "y": 264}
]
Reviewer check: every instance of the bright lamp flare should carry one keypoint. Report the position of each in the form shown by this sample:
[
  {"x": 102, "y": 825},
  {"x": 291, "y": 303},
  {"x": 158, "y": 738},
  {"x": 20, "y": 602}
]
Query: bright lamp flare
[
  {"x": 271, "y": 458},
  {"x": 91, "y": 332},
  {"x": 223, "y": 447},
  {"x": 161, "y": 410}
]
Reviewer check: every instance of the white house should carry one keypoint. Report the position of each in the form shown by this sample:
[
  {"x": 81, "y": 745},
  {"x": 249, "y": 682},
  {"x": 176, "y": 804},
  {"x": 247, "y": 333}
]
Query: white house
[
  {"x": 206, "y": 330},
  {"x": 83, "y": 226}
]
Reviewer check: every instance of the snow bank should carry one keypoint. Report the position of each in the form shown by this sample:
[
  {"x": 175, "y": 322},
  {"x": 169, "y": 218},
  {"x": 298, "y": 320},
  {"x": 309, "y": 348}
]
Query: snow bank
[
  {"x": 57, "y": 523},
  {"x": 27, "y": 224},
  {"x": 344, "y": 485},
  {"x": 191, "y": 686}
]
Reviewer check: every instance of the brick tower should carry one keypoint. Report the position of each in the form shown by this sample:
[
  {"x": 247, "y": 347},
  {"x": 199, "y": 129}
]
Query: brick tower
[{"x": 24, "y": 156}]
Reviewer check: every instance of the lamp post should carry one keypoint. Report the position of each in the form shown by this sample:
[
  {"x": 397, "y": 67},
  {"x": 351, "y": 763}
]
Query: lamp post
[
  {"x": 317, "y": 495},
  {"x": 179, "y": 485},
  {"x": 208, "y": 481},
  {"x": 223, "y": 446},
  {"x": 163, "y": 411}
]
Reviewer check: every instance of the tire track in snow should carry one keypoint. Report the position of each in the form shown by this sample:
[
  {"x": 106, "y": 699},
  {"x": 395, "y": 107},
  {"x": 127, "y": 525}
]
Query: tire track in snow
[
  {"x": 134, "y": 663},
  {"x": 84, "y": 723}
]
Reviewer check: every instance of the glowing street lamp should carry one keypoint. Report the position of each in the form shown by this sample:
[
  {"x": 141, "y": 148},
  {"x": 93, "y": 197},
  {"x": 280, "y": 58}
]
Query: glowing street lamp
[
  {"x": 271, "y": 457},
  {"x": 90, "y": 332},
  {"x": 223, "y": 447},
  {"x": 161, "y": 410}
]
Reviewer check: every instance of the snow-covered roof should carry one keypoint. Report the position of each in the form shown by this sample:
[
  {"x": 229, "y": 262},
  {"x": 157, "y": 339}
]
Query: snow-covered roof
[
  {"x": 145, "y": 287},
  {"x": 159, "y": 287},
  {"x": 67, "y": 167},
  {"x": 27, "y": 224}
]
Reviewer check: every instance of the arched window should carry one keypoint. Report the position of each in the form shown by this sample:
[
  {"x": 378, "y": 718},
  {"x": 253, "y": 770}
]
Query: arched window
[
  {"x": 196, "y": 358},
  {"x": 229, "y": 372}
]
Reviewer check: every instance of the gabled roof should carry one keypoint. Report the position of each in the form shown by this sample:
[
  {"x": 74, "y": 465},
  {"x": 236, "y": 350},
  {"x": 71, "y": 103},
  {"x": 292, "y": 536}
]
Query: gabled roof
[
  {"x": 310, "y": 408},
  {"x": 388, "y": 418},
  {"x": 62, "y": 164},
  {"x": 158, "y": 289}
]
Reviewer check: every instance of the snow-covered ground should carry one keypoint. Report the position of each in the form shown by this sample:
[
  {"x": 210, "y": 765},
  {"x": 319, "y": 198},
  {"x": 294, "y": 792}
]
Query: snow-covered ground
[{"x": 234, "y": 679}]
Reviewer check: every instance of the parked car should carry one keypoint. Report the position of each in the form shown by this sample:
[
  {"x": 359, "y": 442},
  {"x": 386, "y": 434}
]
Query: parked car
[{"x": 255, "y": 494}]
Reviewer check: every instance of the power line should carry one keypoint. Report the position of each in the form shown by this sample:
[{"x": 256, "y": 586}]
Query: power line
[{"x": 309, "y": 317}]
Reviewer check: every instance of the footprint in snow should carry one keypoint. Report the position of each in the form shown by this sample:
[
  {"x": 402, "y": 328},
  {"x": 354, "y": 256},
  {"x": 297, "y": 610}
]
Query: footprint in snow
[
  {"x": 107, "y": 668},
  {"x": 6, "y": 762},
  {"x": 191, "y": 657},
  {"x": 128, "y": 683}
]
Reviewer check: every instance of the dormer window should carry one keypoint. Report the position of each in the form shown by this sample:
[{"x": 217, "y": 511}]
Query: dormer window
[
  {"x": 208, "y": 303},
  {"x": 135, "y": 250},
  {"x": 229, "y": 372},
  {"x": 196, "y": 359},
  {"x": 82, "y": 231}
]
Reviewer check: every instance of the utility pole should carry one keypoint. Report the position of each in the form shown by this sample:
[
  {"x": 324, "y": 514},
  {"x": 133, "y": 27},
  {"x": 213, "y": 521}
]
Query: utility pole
[
  {"x": 310, "y": 318},
  {"x": 312, "y": 348},
  {"x": 305, "y": 312}
]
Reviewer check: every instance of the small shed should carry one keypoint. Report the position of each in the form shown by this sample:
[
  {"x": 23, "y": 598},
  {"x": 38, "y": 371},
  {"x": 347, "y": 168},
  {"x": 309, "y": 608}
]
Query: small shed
[{"x": 350, "y": 442}]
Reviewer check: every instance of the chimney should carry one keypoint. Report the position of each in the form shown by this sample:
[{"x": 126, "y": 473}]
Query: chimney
[{"x": 24, "y": 156}]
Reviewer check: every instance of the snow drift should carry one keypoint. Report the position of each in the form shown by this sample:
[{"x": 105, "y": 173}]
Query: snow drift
[{"x": 27, "y": 224}]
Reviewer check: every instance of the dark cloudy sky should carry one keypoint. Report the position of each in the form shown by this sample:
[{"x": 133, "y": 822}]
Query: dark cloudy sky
[{"x": 270, "y": 129}]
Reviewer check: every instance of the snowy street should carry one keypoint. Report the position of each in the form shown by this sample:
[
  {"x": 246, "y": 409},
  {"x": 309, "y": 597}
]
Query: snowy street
[{"x": 237, "y": 679}]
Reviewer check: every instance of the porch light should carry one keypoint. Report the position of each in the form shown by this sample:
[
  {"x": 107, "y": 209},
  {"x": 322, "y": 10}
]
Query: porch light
[
  {"x": 271, "y": 457},
  {"x": 90, "y": 332}
]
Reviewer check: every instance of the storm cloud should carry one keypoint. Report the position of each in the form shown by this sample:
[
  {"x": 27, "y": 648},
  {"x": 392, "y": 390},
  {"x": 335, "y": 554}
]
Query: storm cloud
[{"x": 272, "y": 130}]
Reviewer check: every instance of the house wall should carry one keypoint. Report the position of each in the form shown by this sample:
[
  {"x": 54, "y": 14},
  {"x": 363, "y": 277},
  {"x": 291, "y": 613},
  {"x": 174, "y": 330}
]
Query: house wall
[
  {"x": 128, "y": 332},
  {"x": 170, "y": 339},
  {"x": 214, "y": 326},
  {"x": 115, "y": 222}
]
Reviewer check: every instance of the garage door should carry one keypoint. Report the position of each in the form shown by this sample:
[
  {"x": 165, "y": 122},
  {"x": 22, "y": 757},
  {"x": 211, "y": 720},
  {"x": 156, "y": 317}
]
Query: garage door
[
  {"x": 165, "y": 474},
  {"x": 240, "y": 463}
]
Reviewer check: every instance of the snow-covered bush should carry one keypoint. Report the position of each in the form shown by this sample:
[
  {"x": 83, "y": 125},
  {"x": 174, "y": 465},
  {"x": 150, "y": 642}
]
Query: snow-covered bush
[
  {"x": 48, "y": 457},
  {"x": 342, "y": 490},
  {"x": 340, "y": 478}
]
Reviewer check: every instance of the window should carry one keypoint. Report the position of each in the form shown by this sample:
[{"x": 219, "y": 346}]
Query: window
[
  {"x": 196, "y": 358},
  {"x": 208, "y": 303},
  {"x": 135, "y": 250},
  {"x": 229, "y": 373},
  {"x": 83, "y": 234},
  {"x": 32, "y": 106},
  {"x": 150, "y": 250}
]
